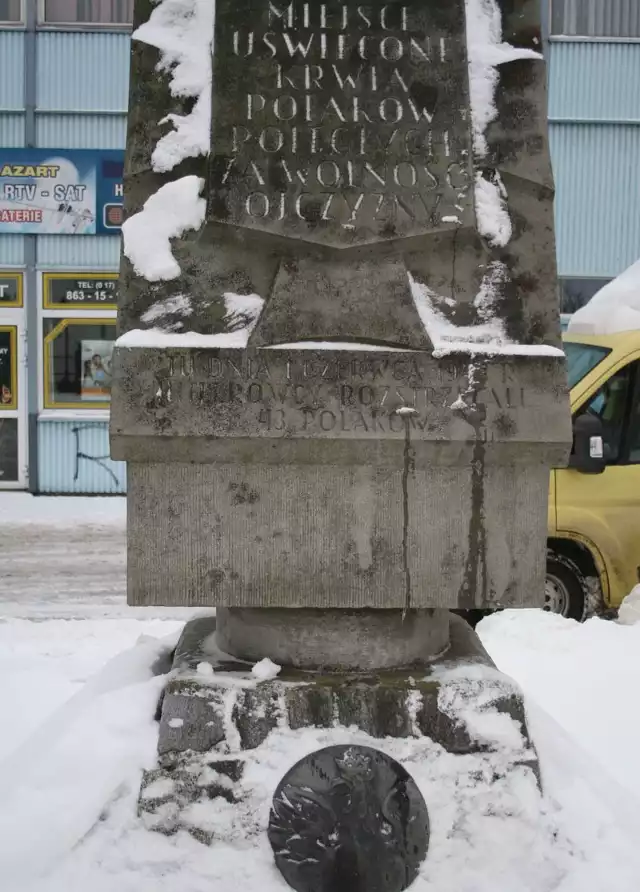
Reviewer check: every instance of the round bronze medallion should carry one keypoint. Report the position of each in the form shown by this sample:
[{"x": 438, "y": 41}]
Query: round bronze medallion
[{"x": 348, "y": 819}]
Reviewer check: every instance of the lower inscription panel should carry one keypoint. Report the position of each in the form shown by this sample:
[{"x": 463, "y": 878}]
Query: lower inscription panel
[{"x": 333, "y": 394}]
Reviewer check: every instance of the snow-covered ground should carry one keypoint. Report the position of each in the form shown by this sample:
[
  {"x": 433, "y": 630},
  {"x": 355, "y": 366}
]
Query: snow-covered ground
[{"x": 76, "y": 727}]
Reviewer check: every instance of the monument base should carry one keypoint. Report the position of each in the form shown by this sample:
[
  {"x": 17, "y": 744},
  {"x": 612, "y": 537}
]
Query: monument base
[
  {"x": 339, "y": 639},
  {"x": 225, "y": 729}
]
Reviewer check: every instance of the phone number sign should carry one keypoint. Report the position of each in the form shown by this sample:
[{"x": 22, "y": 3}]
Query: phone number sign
[{"x": 93, "y": 291}]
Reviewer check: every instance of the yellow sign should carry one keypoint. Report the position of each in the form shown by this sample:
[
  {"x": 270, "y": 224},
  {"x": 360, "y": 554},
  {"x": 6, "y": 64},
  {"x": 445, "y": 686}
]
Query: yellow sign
[{"x": 46, "y": 171}]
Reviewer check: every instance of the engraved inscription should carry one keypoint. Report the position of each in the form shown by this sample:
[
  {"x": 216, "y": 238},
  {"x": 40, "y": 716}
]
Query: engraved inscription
[
  {"x": 326, "y": 394},
  {"x": 339, "y": 119}
]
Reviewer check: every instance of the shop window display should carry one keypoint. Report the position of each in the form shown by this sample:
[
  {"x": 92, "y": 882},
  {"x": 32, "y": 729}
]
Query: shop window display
[{"x": 77, "y": 363}]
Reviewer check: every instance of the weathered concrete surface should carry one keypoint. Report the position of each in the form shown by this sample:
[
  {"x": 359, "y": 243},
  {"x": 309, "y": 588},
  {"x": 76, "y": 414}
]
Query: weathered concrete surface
[
  {"x": 364, "y": 640},
  {"x": 289, "y": 477},
  {"x": 330, "y": 535},
  {"x": 305, "y": 487}
]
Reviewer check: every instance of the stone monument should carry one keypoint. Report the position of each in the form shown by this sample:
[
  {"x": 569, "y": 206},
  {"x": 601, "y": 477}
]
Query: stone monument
[{"x": 338, "y": 383}]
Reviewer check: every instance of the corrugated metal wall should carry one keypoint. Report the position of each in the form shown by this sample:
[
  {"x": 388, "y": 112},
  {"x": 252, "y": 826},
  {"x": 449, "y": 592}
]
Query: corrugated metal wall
[
  {"x": 11, "y": 70},
  {"x": 81, "y": 131},
  {"x": 79, "y": 252},
  {"x": 594, "y": 112},
  {"x": 597, "y": 172},
  {"x": 11, "y": 131},
  {"x": 81, "y": 75},
  {"x": 594, "y": 81},
  {"x": 11, "y": 92},
  {"x": 596, "y": 18},
  {"x": 12, "y": 250},
  {"x": 73, "y": 457},
  {"x": 83, "y": 71}
]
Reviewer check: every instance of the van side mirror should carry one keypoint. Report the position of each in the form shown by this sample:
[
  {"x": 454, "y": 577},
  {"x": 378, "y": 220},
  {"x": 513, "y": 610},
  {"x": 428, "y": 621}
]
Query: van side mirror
[{"x": 588, "y": 445}]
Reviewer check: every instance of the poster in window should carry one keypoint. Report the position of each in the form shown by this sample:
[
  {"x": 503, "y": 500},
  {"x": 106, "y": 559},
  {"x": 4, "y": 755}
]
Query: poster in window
[
  {"x": 96, "y": 370},
  {"x": 8, "y": 363},
  {"x": 8, "y": 450}
]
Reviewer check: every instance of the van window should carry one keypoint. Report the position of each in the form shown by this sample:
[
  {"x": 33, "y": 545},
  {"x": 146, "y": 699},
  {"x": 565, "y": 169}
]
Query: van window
[
  {"x": 582, "y": 359},
  {"x": 634, "y": 429},
  {"x": 610, "y": 405}
]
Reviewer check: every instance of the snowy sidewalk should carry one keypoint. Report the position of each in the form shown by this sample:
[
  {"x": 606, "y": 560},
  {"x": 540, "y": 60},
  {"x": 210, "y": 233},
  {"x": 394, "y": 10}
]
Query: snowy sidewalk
[{"x": 61, "y": 556}]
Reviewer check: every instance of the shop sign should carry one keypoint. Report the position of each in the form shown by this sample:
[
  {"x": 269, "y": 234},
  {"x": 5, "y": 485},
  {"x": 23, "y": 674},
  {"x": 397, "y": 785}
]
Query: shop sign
[
  {"x": 10, "y": 289},
  {"x": 87, "y": 291},
  {"x": 60, "y": 191}
]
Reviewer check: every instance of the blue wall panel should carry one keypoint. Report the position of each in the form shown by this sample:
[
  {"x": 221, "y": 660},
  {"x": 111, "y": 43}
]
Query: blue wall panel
[
  {"x": 73, "y": 457},
  {"x": 90, "y": 252},
  {"x": 86, "y": 131},
  {"x": 11, "y": 250},
  {"x": 11, "y": 70},
  {"x": 599, "y": 18},
  {"x": 83, "y": 71},
  {"x": 11, "y": 130},
  {"x": 594, "y": 81},
  {"x": 597, "y": 172}
]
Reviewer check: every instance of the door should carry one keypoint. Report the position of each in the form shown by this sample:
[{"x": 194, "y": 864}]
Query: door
[
  {"x": 13, "y": 402},
  {"x": 605, "y": 508}
]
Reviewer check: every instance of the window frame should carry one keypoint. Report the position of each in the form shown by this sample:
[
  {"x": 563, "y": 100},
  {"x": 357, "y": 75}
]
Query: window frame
[
  {"x": 565, "y": 283},
  {"x": 18, "y": 303},
  {"x": 51, "y": 409},
  {"x": 44, "y": 25},
  {"x": 47, "y": 339},
  {"x": 16, "y": 26},
  {"x": 12, "y": 329},
  {"x": 634, "y": 400},
  {"x": 48, "y": 277},
  {"x": 633, "y": 364},
  {"x": 583, "y": 38}
]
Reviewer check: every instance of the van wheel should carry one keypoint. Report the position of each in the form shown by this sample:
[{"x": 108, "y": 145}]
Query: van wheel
[{"x": 566, "y": 590}]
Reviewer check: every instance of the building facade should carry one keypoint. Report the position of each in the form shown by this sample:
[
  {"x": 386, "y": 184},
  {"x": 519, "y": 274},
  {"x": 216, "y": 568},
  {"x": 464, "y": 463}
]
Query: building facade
[
  {"x": 64, "y": 67},
  {"x": 593, "y": 55}
]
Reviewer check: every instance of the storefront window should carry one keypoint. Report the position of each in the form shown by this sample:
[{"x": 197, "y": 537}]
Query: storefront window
[
  {"x": 10, "y": 290},
  {"x": 11, "y": 12},
  {"x": 595, "y": 18},
  {"x": 89, "y": 12},
  {"x": 8, "y": 450},
  {"x": 575, "y": 293},
  {"x": 8, "y": 367},
  {"x": 77, "y": 363}
]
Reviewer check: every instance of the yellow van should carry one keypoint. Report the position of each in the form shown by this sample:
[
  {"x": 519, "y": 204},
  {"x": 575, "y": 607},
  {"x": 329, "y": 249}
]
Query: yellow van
[{"x": 593, "y": 558}]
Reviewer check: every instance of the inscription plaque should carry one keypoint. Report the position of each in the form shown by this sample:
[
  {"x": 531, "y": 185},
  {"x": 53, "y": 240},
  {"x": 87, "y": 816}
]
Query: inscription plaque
[
  {"x": 340, "y": 123},
  {"x": 332, "y": 395}
]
